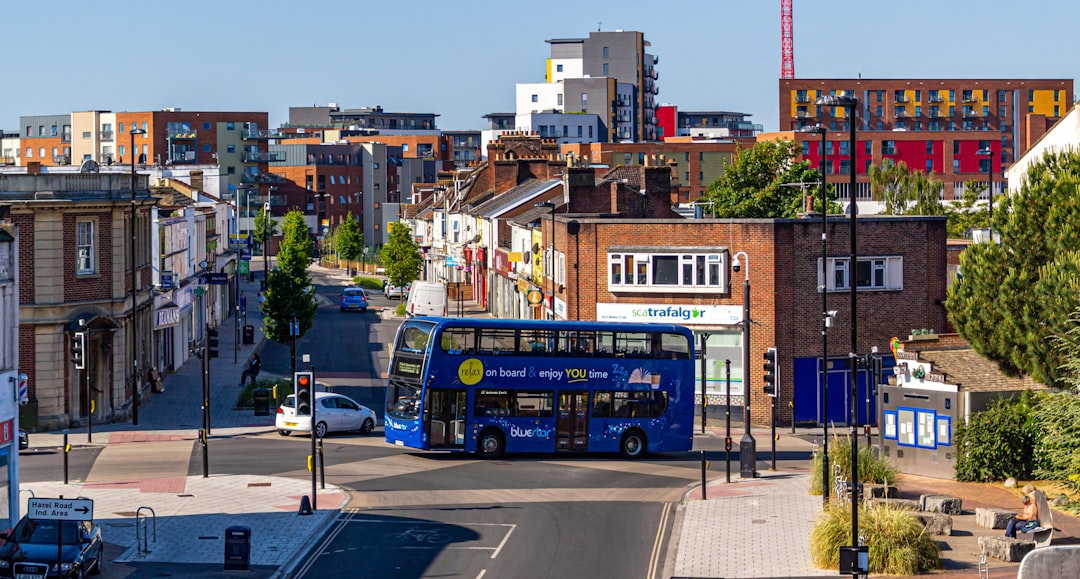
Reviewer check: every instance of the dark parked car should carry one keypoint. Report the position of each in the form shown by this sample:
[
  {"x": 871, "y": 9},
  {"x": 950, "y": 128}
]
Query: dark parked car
[
  {"x": 30, "y": 549},
  {"x": 24, "y": 440}
]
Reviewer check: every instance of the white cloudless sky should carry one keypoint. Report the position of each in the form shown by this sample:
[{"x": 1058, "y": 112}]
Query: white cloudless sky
[{"x": 461, "y": 59}]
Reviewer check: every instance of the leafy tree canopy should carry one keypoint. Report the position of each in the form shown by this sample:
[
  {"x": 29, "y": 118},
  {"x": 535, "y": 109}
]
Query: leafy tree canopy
[
  {"x": 401, "y": 255},
  {"x": 290, "y": 293},
  {"x": 265, "y": 226},
  {"x": 350, "y": 240},
  {"x": 903, "y": 191},
  {"x": 759, "y": 182},
  {"x": 1014, "y": 296}
]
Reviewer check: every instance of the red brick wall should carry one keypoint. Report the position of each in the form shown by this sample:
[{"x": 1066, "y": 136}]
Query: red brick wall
[
  {"x": 27, "y": 353},
  {"x": 99, "y": 285}
]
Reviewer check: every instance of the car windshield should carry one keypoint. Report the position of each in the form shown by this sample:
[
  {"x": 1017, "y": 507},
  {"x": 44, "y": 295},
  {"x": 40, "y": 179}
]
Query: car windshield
[
  {"x": 44, "y": 531},
  {"x": 354, "y": 292}
]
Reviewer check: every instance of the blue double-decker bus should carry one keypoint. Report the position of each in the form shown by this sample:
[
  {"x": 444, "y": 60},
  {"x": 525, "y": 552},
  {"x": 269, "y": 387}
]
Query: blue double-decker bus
[{"x": 495, "y": 386}]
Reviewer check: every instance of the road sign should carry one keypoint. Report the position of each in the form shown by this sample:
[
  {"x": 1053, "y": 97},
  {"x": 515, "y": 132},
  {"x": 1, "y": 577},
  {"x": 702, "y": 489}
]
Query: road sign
[
  {"x": 168, "y": 280},
  {"x": 243, "y": 267},
  {"x": 217, "y": 278},
  {"x": 60, "y": 509}
]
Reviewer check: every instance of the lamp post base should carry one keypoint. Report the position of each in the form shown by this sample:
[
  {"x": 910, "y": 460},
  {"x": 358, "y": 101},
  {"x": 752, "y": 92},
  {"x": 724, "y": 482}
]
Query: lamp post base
[{"x": 748, "y": 456}]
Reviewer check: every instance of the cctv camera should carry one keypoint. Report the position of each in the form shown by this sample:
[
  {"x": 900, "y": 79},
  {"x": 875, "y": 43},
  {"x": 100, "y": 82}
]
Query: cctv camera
[{"x": 736, "y": 266}]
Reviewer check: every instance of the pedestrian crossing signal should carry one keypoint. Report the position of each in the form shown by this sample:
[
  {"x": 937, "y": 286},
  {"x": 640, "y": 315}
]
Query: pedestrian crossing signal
[{"x": 78, "y": 350}]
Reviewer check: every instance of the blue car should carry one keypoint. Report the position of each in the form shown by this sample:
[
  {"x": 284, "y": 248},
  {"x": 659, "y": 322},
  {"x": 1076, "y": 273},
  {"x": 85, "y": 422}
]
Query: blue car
[{"x": 353, "y": 298}]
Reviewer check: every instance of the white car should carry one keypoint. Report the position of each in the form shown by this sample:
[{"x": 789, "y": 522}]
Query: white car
[{"x": 333, "y": 413}]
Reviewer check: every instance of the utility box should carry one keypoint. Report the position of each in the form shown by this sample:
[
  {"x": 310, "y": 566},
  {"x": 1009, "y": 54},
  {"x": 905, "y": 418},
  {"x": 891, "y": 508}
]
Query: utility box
[
  {"x": 249, "y": 334},
  {"x": 261, "y": 398},
  {"x": 237, "y": 548}
]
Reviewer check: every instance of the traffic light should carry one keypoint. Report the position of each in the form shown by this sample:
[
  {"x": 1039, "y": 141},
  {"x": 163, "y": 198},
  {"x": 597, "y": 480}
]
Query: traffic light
[
  {"x": 302, "y": 386},
  {"x": 772, "y": 388},
  {"x": 212, "y": 342},
  {"x": 78, "y": 350}
]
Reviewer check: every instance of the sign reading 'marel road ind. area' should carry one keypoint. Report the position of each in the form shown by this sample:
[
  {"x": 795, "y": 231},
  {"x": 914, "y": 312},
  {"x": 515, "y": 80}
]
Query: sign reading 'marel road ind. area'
[{"x": 60, "y": 509}]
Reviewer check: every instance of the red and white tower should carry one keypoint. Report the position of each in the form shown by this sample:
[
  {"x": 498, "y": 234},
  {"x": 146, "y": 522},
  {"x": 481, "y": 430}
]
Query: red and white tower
[{"x": 787, "y": 48}]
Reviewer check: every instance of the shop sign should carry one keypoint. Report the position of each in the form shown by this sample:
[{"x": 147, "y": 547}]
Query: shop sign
[
  {"x": 669, "y": 313},
  {"x": 167, "y": 317}
]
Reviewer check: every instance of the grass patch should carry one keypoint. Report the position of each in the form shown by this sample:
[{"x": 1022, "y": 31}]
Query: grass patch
[
  {"x": 247, "y": 393},
  {"x": 872, "y": 469},
  {"x": 898, "y": 543},
  {"x": 372, "y": 283},
  {"x": 400, "y": 309}
]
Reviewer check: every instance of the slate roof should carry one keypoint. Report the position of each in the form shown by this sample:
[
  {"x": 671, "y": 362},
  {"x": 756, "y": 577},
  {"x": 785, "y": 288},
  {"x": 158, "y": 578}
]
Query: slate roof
[
  {"x": 974, "y": 373},
  {"x": 526, "y": 190}
]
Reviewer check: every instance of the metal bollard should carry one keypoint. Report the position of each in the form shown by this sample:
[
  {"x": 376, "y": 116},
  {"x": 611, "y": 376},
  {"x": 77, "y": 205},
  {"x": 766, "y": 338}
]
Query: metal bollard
[
  {"x": 67, "y": 449},
  {"x": 704, "y": 480}
]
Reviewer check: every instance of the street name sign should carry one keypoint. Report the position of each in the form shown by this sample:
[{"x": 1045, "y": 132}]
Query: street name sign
[
  {"x": 216, "y": 278},
  {"x": 60, "y": 509}
]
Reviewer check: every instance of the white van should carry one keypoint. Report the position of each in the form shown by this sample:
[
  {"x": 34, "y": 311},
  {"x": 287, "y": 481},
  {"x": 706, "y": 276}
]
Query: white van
[{"x": 427, "y": 298}]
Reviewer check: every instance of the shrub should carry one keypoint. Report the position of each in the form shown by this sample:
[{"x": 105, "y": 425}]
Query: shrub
[
  {"x": 246, "y": 399},
  {"x": 897, "y": 542},
  {"x": 872, "y": 468},
  {"x": 1057, "y": 419},
  {"x": 998, "y": 442}
]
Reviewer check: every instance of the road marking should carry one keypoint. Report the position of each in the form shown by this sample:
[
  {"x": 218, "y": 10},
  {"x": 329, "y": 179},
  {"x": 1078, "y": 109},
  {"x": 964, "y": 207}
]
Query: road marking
[
  {"x": 658, "y": 543},
  {"x": 503, "y": 542},
  {"x": 343, "y": 521},
  {"x": 481, "y": 575}
]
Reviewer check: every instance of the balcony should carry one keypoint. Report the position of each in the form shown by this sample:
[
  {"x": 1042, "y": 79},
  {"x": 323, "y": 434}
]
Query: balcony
[
  {"x": 105, "y": 135},
  {"x": 264, "y": 156},
  {"x": 970, "y": 99},
  {"x": 7, "y": 160},
  {"x": 937, "y": 115},
  {"x": 249, "y": 178},
  {"x": 264, "y": 134},
  {"x": 802, "y": 99},
  {"x": 182, "y": 157},
  {"x": 803, "y": 115},
  {"x": 182, "y": 134},
  {"x": 936, "y": 99},
  {"x": 61, "y": 159},
  {"x": 970, "y": 113},
  {"x": 901, "y": 114},
  {"x": 902, "y": 98}
]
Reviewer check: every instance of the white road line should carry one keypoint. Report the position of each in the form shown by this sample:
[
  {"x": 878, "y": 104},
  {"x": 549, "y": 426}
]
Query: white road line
[
  {"x": 481, "y": 575},
  {"x": 503, "y": 542}
]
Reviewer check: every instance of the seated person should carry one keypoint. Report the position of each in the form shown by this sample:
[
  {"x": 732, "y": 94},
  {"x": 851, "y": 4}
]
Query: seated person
[
  {"x": 252, "y": 370},
  {"x": 1026, "y": 521}
]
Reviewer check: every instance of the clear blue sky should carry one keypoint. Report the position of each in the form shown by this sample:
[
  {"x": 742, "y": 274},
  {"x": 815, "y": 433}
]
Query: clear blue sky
[{"x": 461, "y": 58}]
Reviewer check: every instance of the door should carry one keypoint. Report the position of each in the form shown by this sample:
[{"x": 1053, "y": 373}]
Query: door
[
  {"x": 444, "y": 416},
  {"x": 327, "y": 411},
  {"x": 572, "y": 421}
]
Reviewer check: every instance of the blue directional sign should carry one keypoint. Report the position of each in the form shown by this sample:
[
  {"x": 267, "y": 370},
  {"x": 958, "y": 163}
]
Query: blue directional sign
[
  {"x": 168, "y": 280},
  {"x": 294, "y": 328}
]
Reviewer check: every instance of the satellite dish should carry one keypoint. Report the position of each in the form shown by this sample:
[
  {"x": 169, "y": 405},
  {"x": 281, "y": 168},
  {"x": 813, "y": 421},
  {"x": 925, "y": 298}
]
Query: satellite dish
[{"x": 89, "y": 166}]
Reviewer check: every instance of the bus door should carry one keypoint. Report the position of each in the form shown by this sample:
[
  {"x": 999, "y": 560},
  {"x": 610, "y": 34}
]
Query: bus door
[
  {"x": 444, "y": 418},
  {"x": 572, "y": 421}
]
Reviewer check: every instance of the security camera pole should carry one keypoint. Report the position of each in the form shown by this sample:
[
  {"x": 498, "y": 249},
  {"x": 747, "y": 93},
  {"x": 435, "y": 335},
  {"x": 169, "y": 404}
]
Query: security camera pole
[{"x": 747, "y": 446}]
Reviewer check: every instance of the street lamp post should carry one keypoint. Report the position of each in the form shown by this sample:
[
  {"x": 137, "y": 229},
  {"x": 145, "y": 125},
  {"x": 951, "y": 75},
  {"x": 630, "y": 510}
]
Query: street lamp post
[
  {"x": 551, "y": 270},
  {"x": 134, "y": 291},
  {"x": 851, "y": 104},
  {"x": 989, "y": 154},
  {"x": 747, "y": 446},
  {"x": 266, "y": 245},
  {"x": 826, "y": 319}
]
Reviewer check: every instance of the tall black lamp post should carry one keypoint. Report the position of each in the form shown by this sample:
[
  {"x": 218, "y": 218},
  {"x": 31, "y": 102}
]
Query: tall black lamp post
[
  {"x": 551, "y": 271},
  {"x": 747, "y": 446},
  {"x": 989, "y": 154},
  {"x": 266, "y": 245},
  {"x": 826, "y": 319},
  {"x": 851, "y": 104},
  {"x": 134, "y": 290}
]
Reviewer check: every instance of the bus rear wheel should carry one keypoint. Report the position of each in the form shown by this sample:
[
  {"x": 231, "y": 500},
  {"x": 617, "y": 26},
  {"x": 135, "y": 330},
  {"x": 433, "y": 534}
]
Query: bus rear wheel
[
  {"x": 633, "y": 444},
  {"x": 491, "y": 444}
]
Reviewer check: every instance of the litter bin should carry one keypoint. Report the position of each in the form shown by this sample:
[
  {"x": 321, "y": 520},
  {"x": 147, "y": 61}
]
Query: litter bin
[
  {"x": 237, "y": 548},
  {"x": 249, "y": 334},
  {"x": 261, "y": 397}
]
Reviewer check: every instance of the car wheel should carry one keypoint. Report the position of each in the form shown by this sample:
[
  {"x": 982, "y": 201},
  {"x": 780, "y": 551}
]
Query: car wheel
[
  {"x": 320, "y": 430},
  {"x": 491, "y": 444},
  {"x": 284, "y": 432},
  {"x": 342, "y": 310},
  {"x": 633, "y": 444},
  {"x": 367, "y": 426},
  {"x": 363, "y": 310}
]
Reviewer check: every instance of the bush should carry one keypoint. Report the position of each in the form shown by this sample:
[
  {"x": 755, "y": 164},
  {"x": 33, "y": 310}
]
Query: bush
[
  {"x": 897, "y": 542},
  {"x": 372, "y": 283},
  {"x": 872, "y": 468},
  {"x": 246, "y": 399},
  {"x": 1057, "y": 419},
  {"x": 999, "y": 442}
]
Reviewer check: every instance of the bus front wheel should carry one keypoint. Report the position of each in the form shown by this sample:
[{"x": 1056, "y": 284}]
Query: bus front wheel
[
  {"x": 633, "y": 444},
  {"x": 491, "y": 443}
]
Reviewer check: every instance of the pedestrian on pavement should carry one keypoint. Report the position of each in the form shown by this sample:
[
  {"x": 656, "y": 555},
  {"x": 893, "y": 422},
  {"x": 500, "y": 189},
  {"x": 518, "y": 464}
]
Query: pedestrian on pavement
[{"x": 1025, "y": 521}]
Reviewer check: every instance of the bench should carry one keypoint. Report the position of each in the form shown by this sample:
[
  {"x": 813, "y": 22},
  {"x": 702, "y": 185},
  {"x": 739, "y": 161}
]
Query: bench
[
  {"x": 1045, "y": 531},
  {"x": 1006, "y": 548},
  {"x": 940, "y": 504}
]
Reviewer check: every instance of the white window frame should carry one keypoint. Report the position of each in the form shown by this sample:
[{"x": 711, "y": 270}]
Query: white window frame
[
  {"x": 887, "y": 273},
  {"x": 85, "y": 247},
  {"x": 708, "y": 271}
]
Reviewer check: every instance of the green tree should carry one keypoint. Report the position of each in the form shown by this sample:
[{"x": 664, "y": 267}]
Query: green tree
[
  {"x": 401, "y": 256},
  {"x": 265, "y": 227},
  {"x": 1014, "y": 295},
  {"x": 350, "y": 240},
  {"x": 906, "y": 192},
  {"x": 968, "y": 212},
  {"x": 290, "y": 294},
  {"x": 757, "y": 183}
]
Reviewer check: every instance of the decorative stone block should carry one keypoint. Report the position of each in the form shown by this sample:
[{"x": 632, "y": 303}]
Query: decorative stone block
[
  {"x": 881, "y": 492},
  {"x": 936, "y": 523},
  {"x": 993, "y": 518},
  {"x": 1005, "y": 549},
  {"x": 940, "y": 504},
  {"x": 894, "y": 503}
]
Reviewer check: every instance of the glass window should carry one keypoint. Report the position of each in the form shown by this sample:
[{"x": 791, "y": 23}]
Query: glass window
[
  {"x": 206, "y": 126},
  {"x": 584, "y": 98},
  {"x": 665, "y": 270},
  {"x": 635, "y": 404},
  {"x": 85, "y": 247},
  {"x": 492, "y": 403},
  {"x": 539, "y": 404}
]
